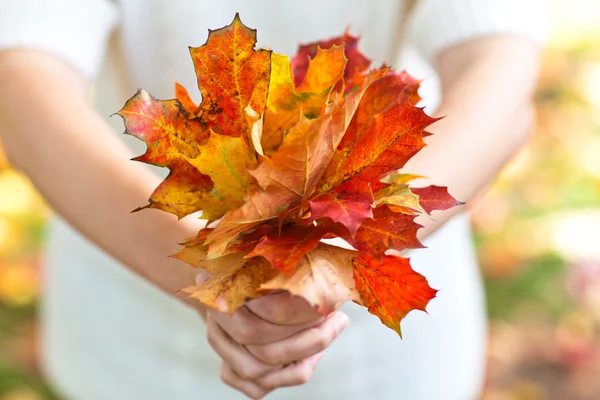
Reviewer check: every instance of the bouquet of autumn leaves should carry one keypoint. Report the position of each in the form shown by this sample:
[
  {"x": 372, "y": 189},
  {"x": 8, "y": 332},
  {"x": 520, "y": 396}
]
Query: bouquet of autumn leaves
[{"x": 279, "y": 155}]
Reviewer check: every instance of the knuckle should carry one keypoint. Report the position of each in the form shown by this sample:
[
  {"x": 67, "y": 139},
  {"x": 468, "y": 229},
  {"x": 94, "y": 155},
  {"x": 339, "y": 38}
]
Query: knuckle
[
  {"x": 250, "y": 371},
  {"x": 266, "y": 385},
  {"x": 303, "y": 375},
  {"x": 226, "y": 375},
  {"x": 257, "y": 394},
  {"x": 244, "y": 331},
  {"x": 266, "y": 354},
  {"x": 243, "y": 334},
  {"x": 322, "y": 337}
]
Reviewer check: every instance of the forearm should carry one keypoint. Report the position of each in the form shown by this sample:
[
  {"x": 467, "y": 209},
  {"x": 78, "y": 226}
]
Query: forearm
[
  {"x": 52, "y": 133},
  {"x": 487, "y": 88}
]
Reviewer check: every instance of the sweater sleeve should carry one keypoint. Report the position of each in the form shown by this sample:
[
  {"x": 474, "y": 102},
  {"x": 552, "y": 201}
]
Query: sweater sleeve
[
  {"x": 75, "y": 30},
  {"x": 438, "y": 24}
]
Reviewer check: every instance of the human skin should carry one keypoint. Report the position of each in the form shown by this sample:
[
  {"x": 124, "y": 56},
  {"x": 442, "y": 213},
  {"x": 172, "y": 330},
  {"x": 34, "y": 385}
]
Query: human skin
[{"x": 51, "y": 132}]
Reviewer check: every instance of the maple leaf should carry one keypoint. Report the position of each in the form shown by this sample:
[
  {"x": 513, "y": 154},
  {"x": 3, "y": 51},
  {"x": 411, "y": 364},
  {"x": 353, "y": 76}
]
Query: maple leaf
[
  {"x": 386, "y": 230},
  {"x": 385, "y": 132},
  {"x": 260, "y": 207},
  {"x": 232, "y": 75},
  {"x": 298, "y": 163},
  {"x": 279, "y": 155},
  {"x": 232, "y": 286},
  {"x": 285, "y": 250},
  {"x": 171, "y": 138},
  {"x": 329, "y": 275},
  {"x": 390, "y": 289},
  {"x": 201, "y": 178},
  {"x": 400, "y": 196},
  {"x": 194, "y": 255},
  {"x": 285, "y": 105},
  {"x": 247, "y": 241},
  {"x": 433, "y": 198},
  {"x": 226, "y": 161},
  {"x": 324, "y": 70},
  {"x": 324, "y": 277},
  {"x": 357, "y": 62},
  {"x": 349, "y": 204}
]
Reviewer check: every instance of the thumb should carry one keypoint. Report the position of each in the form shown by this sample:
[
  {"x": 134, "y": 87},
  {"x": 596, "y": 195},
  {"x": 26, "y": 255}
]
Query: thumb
[{"x": 283, "y": 308}]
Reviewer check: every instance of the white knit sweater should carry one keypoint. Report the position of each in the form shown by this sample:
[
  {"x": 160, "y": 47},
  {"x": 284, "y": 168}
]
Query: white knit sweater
[{"x": 110, "y": 335}]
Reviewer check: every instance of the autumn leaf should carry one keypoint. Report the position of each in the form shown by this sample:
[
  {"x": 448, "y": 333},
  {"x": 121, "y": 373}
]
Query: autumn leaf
[
  {"x": 399, "y": 196},
  {"x": 308, "y": 147},
  {"x": 194, "y": 255},
  {"x": 433, "y": 198},
  {"x": 184, "y": 191},
  {"x": 349, "y": 204},
  {"x": 324, "y": 278},
  {"x": 390, "y": 289},
  {"x": 286, "y": 104},
  {"x": 357, "y": 62},
  {"x": 232, "y": 75},
  {"x": 181, "y": 138},
  {"x": 385, "y": 132},
  {"x": 165, "y": 127},
  {"x": 226, "y": 161},
  {"x": 298, "y": 163},
  {"x": 233, "y": 286},
  {"x": 247, "y": 241},
  {"x": 285, "y": 250},
  {"x": 301, "y": 160},
  {"x": 324, "y": 70},
  {"x": 171, "y": 138},
  {"x": 260, "y": 207},
  {"x": 386, "y": 230}
]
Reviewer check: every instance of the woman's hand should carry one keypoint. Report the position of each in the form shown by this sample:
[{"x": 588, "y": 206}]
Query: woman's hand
[{"x": 272, "y": 342}]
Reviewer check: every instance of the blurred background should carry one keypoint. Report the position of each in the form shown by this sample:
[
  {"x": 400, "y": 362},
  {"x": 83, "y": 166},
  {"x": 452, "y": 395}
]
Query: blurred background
[{"x": 537, "y": 231}]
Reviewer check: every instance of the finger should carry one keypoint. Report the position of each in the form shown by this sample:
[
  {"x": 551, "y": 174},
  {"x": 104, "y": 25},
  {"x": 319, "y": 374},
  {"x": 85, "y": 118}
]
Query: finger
[
  {"x": 303, "y": 344},
  {"x": 248, "y": 387},
  {"x": 283, "y": 308},
  {"x": 234, "y": 354},
  {"x": 246, "y": 328},
  {"x": 297, "y": 373}
]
